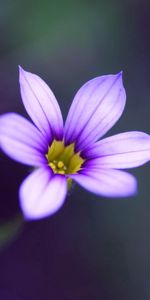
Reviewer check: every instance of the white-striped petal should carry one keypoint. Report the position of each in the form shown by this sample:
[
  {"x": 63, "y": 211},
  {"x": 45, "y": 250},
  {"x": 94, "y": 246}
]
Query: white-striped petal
[
  {"x": 42, "y": 193},
  {"x": 21, "y": 140},
  {"x": 124, "y": 150},
  {"x": 107, "y": 182},
  {"x": 95, "y": 109},
  {"x": 41, "y": 105}
]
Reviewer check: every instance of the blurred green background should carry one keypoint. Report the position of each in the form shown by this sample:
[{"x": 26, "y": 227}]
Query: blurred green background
[{"x": 93, "y": 248}]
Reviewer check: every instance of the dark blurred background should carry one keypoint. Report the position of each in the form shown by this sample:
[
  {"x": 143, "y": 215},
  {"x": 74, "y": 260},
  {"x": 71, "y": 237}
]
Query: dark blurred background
[{"x": 94, "y": 248}]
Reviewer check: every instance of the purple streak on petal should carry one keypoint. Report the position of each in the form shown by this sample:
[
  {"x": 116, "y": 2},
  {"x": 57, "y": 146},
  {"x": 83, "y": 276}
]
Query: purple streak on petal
[
  {"x": 42, "y": 194},
  {"x": 107, "y": 182},
  {"x": 96, "y": 108},
  {"x": 124, "y": 150},
  {"x": 21, "y": 140},
  {"x": 41, "y": 105}
]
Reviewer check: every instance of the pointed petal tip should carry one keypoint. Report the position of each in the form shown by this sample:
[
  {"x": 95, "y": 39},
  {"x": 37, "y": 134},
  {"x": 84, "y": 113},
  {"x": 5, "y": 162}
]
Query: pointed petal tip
[
  {"x": 120, "y": 74},
  {"x": 20, "y": 68},
  {"x": 120, "y": 77},
  {"x": 21, "y": 71}
]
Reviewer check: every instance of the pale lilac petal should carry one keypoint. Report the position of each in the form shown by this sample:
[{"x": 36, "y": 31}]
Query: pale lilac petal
[
  {"x": 96, "y": 108},
  {"x": 41, "y": 105},
  {"x": 124, "y": 150},
  {"x": 107, "y": 182},
  {"x": 21, "y": 140},
  {"x": 42, "y": 193}
]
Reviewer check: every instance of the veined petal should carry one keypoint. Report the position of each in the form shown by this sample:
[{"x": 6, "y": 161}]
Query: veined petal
[
  {"x": 124, "y": 150},
  {"x": 41, "y": 105},
  {"x": 96, "y": 108},
  {"x": 21, "y": 140},
  {"x": 107, "y": 182},
  {"x": 42, "y": 193}
]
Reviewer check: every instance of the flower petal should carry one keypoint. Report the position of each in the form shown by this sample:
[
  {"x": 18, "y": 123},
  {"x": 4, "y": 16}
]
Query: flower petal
[
  {"x": 124, "y": 150},
  {"x": 96, "y": 108},
  {"x": 41, "y": 105},
  {"x": 21, "y": 140},
  {"x": 42, "y": 193},
  {"x": 107, "y": 182}
]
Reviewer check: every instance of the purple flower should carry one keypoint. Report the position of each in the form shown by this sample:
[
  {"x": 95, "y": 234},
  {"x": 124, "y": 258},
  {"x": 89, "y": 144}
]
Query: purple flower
[{"x": 71, "y": 152}]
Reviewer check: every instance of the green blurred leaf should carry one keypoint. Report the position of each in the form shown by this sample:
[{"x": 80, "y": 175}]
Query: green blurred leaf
[{"x": 10, "y": 230}]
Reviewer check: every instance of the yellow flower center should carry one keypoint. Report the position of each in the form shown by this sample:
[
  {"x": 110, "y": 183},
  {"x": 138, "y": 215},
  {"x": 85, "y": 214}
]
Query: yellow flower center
[{"x": 63, "y": 159}]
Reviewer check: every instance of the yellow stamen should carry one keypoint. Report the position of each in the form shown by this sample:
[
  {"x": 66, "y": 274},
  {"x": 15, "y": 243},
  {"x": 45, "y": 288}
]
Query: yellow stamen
[
  {"x": 63, "y": 159},
  {"x": 61, "y": 172},
  {"x": 60, "y": 164},
  {"x": 52, "y": 165}
]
